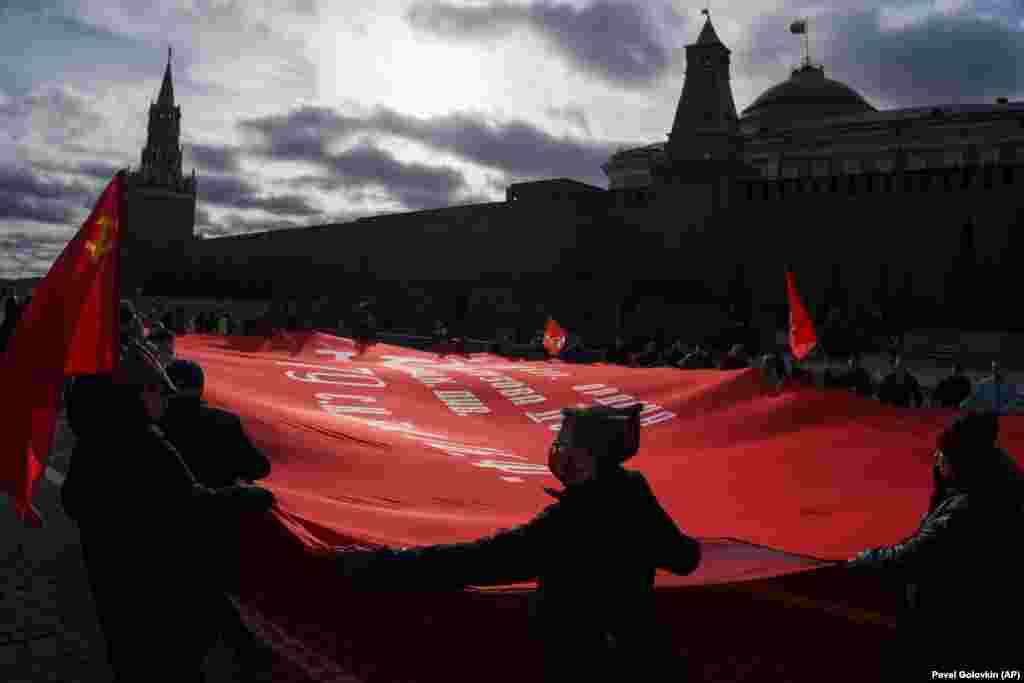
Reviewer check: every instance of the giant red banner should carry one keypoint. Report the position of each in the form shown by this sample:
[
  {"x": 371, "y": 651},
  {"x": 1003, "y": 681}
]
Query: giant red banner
[{"x": 399, "y": 447}]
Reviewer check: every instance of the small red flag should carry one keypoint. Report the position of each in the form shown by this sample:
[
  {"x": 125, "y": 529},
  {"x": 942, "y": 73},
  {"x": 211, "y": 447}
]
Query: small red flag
[
  {"x": 554, "y": 337},
  {"x": 802, "y": 337},
  {"x": 71, "y": 327}
]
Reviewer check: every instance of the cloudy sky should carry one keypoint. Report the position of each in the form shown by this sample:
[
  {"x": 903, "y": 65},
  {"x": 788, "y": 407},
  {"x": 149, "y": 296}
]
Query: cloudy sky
[{"x": 304, "y": 112}]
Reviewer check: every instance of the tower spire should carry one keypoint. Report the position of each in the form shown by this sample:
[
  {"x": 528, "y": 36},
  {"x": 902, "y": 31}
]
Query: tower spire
[{"x": 166, "y": 97}]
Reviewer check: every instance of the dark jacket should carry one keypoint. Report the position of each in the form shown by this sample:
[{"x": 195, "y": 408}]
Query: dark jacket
[
  {"x": 961, "y": 570},
  {"x": 733, "y": 362},
  {"x": 213, "y": 443},
  {"x": 899, "y": 392},
  {"x": 697, "y": 361},
  {"x": 594, "y": 554},
  {"x": 952, "y": 391},
  {"x": 857, "y": 380},
  {"x": 150, "y": 533}
]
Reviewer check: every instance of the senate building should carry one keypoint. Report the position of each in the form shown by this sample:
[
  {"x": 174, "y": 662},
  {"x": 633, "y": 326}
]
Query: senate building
[{"x": 912, "y": 210}]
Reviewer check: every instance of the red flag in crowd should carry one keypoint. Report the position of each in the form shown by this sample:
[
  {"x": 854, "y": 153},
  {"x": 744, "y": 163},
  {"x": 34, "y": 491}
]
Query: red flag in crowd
[
  {"x": 71, "y": 327},
  {"x": 554, "y": 337},
  {"x": 802, "y": 337}
]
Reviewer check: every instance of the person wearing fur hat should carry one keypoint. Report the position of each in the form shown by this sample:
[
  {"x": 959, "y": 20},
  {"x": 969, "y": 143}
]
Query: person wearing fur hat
[
  {"x": 152, "y": 597},
  {"x": 594, "y": 554},
  {"x": 962, "y": 565}
]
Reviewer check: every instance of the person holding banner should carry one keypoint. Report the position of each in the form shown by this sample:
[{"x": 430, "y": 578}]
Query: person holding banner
[
  {"x": 594, "y": 554},
  {"x": 961, "y": 567},
  {"x": 156, "y": 602}
]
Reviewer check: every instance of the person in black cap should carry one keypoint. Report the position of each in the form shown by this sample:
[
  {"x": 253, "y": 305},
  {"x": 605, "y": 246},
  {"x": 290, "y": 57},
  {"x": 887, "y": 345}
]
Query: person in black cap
[
  {"x": 365, "y": 329},
  {"x": 962, "y": 566},
  {"x": 142, "y": 517},
  {"x": 211, "y": 441},
  {"x": 593, "y": 553},
  {"x": 214, "y": 445},
  {"x": 952, "y": 390}
]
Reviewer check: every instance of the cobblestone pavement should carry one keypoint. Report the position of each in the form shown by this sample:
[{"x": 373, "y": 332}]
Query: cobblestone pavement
[{"x": 48, "y": 627}]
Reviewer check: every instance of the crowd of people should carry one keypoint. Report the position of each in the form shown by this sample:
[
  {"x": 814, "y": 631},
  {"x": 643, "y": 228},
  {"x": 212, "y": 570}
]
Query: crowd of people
[{"x": 594, "y": 605}]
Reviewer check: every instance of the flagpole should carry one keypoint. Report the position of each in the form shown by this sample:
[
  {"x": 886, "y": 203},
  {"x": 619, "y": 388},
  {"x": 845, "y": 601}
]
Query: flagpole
[{"x": 122, "y": 176}]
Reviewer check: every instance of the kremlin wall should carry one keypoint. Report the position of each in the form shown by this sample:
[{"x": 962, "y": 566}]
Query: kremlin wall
[{"x": 920, "y": 205}]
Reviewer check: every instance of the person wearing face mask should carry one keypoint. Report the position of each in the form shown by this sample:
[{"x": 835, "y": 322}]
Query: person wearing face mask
[
  {"x": 961, "y": 568},
  {"x": 594, "y": 608}
]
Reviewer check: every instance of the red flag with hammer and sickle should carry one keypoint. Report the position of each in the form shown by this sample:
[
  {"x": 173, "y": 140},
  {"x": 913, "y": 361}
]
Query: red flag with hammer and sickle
[
  {"x": 71, "y": 327},
  {"x": 554, "y": 337}
]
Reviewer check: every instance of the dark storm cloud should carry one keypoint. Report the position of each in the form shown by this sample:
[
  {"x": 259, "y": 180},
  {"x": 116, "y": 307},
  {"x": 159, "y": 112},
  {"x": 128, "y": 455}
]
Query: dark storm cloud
[
  {"x": 935, "y": 60},
  {"x": 15, "y": 207},
  {"x": 215, "y": 158},
  {"x": 416, "y": 186},
  {"x": 619, "y": 42},
  {"x": 229, "y": 191},
  {"x": 28, "y": 254},
  {"x": 98, "y": 169},
  {"x": 519, "y": 149},
  {"x": 27, "y": 195}
]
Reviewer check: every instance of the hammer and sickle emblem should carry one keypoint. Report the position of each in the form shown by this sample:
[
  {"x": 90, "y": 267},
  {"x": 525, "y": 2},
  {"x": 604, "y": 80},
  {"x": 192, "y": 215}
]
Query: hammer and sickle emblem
[{"x": 102, "y": 245}]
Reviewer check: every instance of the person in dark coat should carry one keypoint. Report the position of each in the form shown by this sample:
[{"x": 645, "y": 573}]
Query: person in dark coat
[
  {"x": 214, "y": 446},
  {"x": 952, "y": 390},
  {"x": 736, "y": 359},
  {"x": 365, "y": 328},
  {"x": 12, "y": 313},
  {"x": 698, "y": 359},
  {"x": 594, "y": 553},
  {"x": 961, "y": 567},
  {"x": 619, "y": 354},
  {"x": 856, "y": 379},
  {"x": 212, "y": 441},
  {"x": 900, "y": 388},
  {"x": 142, "y": 517}
]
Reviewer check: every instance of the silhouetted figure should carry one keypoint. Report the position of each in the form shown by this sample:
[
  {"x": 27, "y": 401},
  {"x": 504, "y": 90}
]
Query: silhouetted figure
[
  {"x": 162, "y": 340},
  {"x": 962, "y": 566},
  {"x": 619, "y": 354},
  {"x": 856, "y": 379},
  {"x": 154, "y": 599},
  {"x": 900, "y": 388},
  {"x": 954, "y": 389},
  {"x": 698, "y": 359},
  {"x": 674, "y": 355},
  {"x": 649, "y": 357},
  {"x": 365, "y": 329},
  {"x": 736, "y": 359},
  {"x": 595, "y": 602},
  {"x": 994, "y": 393},
  {"x": 12, "y": 314},
  {"x": 213, "y": 444}
]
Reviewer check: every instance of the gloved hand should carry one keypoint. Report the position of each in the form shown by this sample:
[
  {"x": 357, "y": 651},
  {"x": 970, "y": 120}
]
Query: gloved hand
[
  {"x": 246, "y": 498},
  {"x": 858, "y": 560}
]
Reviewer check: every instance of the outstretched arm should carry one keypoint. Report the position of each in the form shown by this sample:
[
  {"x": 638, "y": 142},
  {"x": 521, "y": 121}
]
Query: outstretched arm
[
  {"x": 674, "y": 550},
  {"x": 921, "y": 550},
  {"x": 510, "y": 556}
]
